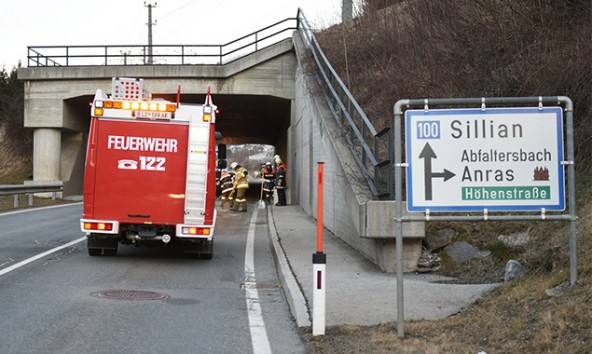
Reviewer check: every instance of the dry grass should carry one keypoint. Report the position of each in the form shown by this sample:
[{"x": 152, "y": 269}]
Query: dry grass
[
  {"x": 518, "y": 317},
  {"x": 7, "y": 202},
  {"x": 466, "y": 48},
  {"x": 474, "y": 48}
]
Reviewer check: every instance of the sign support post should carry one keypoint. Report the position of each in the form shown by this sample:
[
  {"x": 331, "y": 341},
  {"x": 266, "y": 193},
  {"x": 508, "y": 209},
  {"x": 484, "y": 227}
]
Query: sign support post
[{"x": 399, "y": 228}]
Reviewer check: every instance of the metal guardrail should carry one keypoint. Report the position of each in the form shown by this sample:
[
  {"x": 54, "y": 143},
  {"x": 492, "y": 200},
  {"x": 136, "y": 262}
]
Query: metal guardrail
[
  {"x": 372, "y": 150},
  {"x": 209, "y": 54},
  {"x": 17, "y": 189}
]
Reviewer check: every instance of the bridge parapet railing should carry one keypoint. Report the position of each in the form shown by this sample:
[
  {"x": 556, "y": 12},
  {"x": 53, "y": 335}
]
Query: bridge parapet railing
[
  {"x": 372, "y": 149},
  {"x": 177, "y": 54}
]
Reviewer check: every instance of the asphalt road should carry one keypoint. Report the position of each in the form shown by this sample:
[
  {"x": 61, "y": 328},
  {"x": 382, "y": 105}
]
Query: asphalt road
[{"x": 60, "y": 302}]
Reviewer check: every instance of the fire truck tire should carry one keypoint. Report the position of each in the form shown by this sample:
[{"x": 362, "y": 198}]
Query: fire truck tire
[
  {"x": 102, "y": 252},
  {"x": 206, "y": 255},
  {"x": 208, "y": 248},
  {"x": 203, "y": 250},
  {"x": 110, "y": 252},
  {"x": 95, "y": 251},
  {"x": 98, "y": 246}
]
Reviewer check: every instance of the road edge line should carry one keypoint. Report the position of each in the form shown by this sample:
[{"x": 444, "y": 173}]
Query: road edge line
[{"x": 40, "y": 255}]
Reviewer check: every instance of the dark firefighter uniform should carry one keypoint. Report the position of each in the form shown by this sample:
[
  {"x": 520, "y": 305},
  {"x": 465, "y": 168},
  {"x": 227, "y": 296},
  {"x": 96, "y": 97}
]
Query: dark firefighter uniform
[
  {"x": 280, "y": 180},
  {"x": 226, "y": 185},
  {"x": 268, "y": 174}
]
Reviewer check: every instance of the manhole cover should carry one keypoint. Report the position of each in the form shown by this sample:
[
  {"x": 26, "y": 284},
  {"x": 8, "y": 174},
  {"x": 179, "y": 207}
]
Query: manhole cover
[{"x": 129, "y": 295}]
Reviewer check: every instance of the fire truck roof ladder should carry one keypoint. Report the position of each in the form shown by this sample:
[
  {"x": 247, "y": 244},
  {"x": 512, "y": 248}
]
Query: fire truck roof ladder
[{"x": 197, "y": 169}]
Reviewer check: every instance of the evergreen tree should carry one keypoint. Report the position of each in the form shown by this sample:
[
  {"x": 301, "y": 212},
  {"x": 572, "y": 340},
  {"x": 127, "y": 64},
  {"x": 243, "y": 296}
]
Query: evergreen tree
[{"x": 15, "y": 135}]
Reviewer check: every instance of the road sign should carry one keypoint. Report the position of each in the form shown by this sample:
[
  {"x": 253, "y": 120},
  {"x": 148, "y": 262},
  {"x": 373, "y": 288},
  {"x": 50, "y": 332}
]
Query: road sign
[{"x": 499, "y": 159}]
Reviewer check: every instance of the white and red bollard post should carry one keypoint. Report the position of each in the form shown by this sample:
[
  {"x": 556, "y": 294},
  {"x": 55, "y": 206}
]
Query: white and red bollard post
[{"x": 319, "y": 262}]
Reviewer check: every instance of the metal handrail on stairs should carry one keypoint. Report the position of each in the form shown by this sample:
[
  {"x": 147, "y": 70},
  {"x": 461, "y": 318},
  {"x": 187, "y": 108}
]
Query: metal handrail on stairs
[{"x": 371, "y": 149}]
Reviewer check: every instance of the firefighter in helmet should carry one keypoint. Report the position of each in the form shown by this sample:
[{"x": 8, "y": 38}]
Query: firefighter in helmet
[
  {"x": 268, "y": 174},
  {"x": 241, "y": 184},
  {"x": 226, "y": 186},
  {"x": 280, "y": 180}
]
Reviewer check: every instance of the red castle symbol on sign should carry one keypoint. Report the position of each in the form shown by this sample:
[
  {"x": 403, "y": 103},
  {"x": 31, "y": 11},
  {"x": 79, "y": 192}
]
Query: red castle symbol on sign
[{"x": 541, "y": 174}]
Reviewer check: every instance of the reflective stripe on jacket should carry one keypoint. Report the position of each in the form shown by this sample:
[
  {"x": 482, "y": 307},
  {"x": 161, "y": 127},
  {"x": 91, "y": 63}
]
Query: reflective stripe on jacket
[{"x": 226, "y": 183}]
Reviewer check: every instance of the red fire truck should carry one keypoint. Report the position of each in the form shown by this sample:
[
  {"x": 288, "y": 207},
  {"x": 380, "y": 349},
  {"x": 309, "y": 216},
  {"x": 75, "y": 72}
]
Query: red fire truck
[{"x": 150, "y": 172}]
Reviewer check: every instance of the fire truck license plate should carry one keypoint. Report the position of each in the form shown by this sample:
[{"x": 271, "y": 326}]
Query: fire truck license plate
[{"x": 153, "y": 115}]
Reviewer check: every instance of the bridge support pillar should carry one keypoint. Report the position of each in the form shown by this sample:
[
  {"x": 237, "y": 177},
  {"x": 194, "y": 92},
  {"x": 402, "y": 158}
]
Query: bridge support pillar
[{"x": 46, "y": 154}]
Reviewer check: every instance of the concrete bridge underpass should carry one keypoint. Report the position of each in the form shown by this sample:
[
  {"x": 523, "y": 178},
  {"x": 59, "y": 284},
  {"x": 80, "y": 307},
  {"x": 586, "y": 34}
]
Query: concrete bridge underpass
[{"x": 264, "y": 97}]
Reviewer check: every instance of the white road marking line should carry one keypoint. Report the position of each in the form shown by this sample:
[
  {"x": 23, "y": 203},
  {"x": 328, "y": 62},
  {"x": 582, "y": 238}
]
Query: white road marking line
[
  {"x": 40, "y": 255},
  {"x": 10, "y": 260},
  {"x": 256, "y": 323},
  {"x": 38, "y": 208}
]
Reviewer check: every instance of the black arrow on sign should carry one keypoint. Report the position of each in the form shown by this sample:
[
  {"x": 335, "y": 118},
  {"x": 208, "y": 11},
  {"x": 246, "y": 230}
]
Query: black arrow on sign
[{"x": 428, "y": 154}]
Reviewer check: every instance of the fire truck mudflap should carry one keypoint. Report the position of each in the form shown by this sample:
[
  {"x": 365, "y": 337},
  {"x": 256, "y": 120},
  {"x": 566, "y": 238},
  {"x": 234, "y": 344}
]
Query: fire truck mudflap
[{"x": 149, "y": 173}]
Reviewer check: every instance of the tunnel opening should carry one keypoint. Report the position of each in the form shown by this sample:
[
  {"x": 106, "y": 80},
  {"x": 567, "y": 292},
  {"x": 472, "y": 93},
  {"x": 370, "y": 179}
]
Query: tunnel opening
[
  {"x": 246, "y": 119},
  {"x": 252, "y": 129}
]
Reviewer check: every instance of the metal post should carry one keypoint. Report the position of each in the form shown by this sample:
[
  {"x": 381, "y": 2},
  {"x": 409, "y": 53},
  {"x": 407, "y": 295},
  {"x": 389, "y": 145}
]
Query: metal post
[
  {"x": 399, "y": 221},
  {"x": 319, "y": 260},
  {"x": 150, "y": 24},
  {"x": 320, "y": 167},
  {"x": 571, "y": 182},
  {"x": 346, "y": 11},
  {"x": 390, "y": 182}
]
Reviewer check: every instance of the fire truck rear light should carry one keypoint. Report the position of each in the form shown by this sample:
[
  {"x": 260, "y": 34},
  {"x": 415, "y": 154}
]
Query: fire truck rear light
[
  {"x": 126, "y": 105},
  {"x": 98, "y": 103},
  {"x": 118, "y": 104},
  {"x": 98, "y": 112},
  {"x": 99, "y": 226},
  {"x": 188, "y": 230},
  {"x": 171, "y": 107},
  {"x": 135, "y": 105},
  {"x": 207, "y": 117},
  {"x": 108, "y": 104}
]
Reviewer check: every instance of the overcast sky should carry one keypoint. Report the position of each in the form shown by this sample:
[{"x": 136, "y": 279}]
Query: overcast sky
[{"x": 107, "y": 22}]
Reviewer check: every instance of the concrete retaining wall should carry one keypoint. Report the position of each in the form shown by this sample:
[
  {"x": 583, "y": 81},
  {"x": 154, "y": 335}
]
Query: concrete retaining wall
[{"x": 349, "y": 212}]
